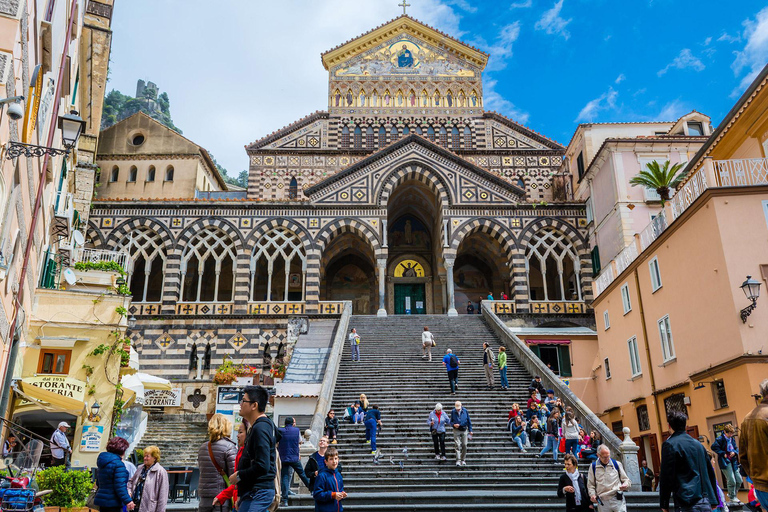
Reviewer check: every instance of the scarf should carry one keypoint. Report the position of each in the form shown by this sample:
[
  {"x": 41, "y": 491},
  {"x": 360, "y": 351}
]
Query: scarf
[
  {"x": 575, "y": 482},
  {"x": 140, "y": 486}
]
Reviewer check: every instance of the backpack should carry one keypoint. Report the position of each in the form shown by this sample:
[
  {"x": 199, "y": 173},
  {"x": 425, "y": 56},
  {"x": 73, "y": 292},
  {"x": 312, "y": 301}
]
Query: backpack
[
  {"x": 453, "y": 361},
  {"x": 615, "y": 465}
]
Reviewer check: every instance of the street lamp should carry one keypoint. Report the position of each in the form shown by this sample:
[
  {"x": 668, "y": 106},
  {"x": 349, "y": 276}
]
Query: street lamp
[
  {"x": 751, "y": 289},
  {"x": 95, "y": 408},
  {"x": 71, "y": 126},
  {"x": 132, "y": 322}
]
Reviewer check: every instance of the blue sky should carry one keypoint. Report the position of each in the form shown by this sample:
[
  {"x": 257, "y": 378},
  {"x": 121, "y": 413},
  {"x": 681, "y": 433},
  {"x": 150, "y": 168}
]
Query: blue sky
[{"x": 245, "y": 68}]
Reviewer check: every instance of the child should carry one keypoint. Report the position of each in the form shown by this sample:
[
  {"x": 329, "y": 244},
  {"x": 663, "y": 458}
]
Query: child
[{"x": 329, "y": 486}]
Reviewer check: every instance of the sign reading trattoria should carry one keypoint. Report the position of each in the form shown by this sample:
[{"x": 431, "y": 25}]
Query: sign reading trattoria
[
  {"x": 59, "y": 384},
  {"x": 162, "y": 397}
]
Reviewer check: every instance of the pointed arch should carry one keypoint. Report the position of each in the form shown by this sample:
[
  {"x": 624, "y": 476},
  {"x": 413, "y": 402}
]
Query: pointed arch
[
  {"x": 208, "y": 265},
  {"x": 374, "y": 101},
  {"x": 336, "y": 98},
  {"x": 387, "y": 99},
  {"x": 149, "y": 255},
  {"x": 486, "y": 225},
  {"x": 462, "y": 98},
  {"x": 414, "y": 172},
  {"x": 553, "y": 266},
  {"x": 280, "y": 253},
  {"x": 124, "y": 230},
  {"x": 347, "y": 225},
  {"x": 293, "y": 189},
  {"x": 424, "y": 98},
  {"x": 400, "y": 98}
]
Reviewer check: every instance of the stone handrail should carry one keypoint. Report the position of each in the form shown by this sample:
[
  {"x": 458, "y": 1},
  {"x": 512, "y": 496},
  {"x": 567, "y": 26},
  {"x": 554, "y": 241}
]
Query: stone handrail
[
  {"x": 535, "y": 366},
  {"x": 331, "y": 373}
]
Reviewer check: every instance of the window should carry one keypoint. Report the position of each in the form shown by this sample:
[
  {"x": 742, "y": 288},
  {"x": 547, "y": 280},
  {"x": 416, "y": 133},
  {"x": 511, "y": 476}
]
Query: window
[
  {"x": 718, "y": 394},
  {"x": 293, "y": 189},
  {"x": 634, "y": 357},
  {"x": 443, "y": 137},
  {"x": 553, "y": 267},
  {"x": 358, "y": 137},
  {"x": 665, "y": 333},
  {"x": 695, "y": 129},
  {"x": 137, "y": 140},
  {"x": 675, "y": 402},
  {"x": 431, "y": 133},
  {"x": 393, "y": 135},
  {"x": 169, "y": 173},
  {"x": 208, "y": 267},
  {"x": 556, "y": 357},
  {"x": 595, "y": 255},
  {"x": 369, "y": 142},
  {"x": 606, "y": 320},
  {"x": 521, "y": 183},
  {"x": 653, "y": 265},
  {"x": 382, "y": 137},
  {"x": 455, "y": 139},
  {"x": 54, "y": 361},
  {"x": 278, "y": 267},
  {"x": 344, "y": 137},
  {"x": 607, "y": 364},
  {"x": 625, "y": 299},
  {"x": 643, "y": 421},
  {"x": 617, "y": 427},
  {"x": 114, "y": 175},
  {"x": 151, "y": 173},
  {"x": 146, "y": 275},
  {"x": 132, "y": 173},
  {"x": 590, "y": 213},
  {"x": 467, "y": 137},
  {"x": 580, "y": 164}
]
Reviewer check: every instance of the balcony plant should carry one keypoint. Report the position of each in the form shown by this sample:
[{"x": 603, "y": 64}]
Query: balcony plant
[
  {"x": 70, "y": 488},
  {"x": 229, "y": 371},
  {"x": 661, "y": 178}
]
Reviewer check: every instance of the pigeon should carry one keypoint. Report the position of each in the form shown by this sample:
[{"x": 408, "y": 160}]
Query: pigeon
[
  {"x": 401, "y": 465},
  {"x": 391, "y": 460},
  {"x": 405, "y": 453}
]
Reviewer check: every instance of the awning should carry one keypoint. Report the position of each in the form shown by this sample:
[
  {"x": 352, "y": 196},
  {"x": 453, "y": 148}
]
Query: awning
[
  {"x": 548, "y": 342},
  {"x": 152, "y": 382},
  {"x": 133, "y": 390},
  {"x": 48, "y": 400}
]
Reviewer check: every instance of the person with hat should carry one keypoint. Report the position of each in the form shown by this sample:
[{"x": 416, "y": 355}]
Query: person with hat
[
  {"x": 288, "y": 447},
  {"x": 60, "y": 447}
]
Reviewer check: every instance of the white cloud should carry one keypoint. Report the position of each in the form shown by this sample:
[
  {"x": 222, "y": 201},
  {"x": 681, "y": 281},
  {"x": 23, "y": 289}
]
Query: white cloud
[
  {"x": 729, "y": 38},
  {"x": 464, "y": 5},
  {"x": 552, "y": 23},
  {"x": 639, "y": 92},
  {"x": 620, "y": 79},
  {"x": 707, "y": 41},
  {"x": 521, "y": 5},
  {"x": 256, "y": 76},
  {"x": 605, "y": 101},
  {"x": 684, "y": 60},
  {"x": 501, "y": 49},
  {"x": 494, "y": 101},
  {"x": 754, "y": 56},
  {"x": 672, "y": 111}
]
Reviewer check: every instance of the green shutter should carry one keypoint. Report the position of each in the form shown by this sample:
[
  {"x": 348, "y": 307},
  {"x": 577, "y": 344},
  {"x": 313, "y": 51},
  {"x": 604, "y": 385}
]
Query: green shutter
[
  {"x": 564, "y": 356},
  {"x": 596, "y": 261},
  {"x": 535, "y": 350}
]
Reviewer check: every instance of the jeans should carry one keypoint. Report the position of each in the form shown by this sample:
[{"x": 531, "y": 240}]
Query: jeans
[
  {"x": 551, "y": 444},
  {"x": 358, "y": 417},
  {"x": 370, "y": 433},
  {"x": 733, "y": 480},
  {"x": 762, "y": 497},
  {"x": 701, "y": 506},
  {"x": 571, "y": 445},
  {"x": 438, "y": 438},
  {"x": 521, "y": 440},
  {"x": 503, "y": 375},
  {"x": 257, "y": 501},
  {"x": 460, "y": 438},
  {"x": 286, "y": 476},
  {"x": 453, "y": 378},
  {"x": 355, "y": 351}
]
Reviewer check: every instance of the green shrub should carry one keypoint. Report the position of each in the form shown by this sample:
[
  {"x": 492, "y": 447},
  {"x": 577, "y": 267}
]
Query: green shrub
[
  {"x": 70, "y": 488},
  {"x": 107, "y": 266}
]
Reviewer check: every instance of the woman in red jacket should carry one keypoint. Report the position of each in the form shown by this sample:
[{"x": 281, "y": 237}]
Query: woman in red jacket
[{"x": 230, "y": 493}]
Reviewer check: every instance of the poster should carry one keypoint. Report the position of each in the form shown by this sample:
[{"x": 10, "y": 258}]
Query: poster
[
  {"x": 90, "y": 440},
  {"x": 162, "y": 397},
  {"x": 419, "y": 304},
  {"x": 229, "y": 394}
]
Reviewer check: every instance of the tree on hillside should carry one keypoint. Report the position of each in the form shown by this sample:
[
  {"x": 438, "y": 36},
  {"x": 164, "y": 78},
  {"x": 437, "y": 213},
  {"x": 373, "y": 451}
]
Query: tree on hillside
[
  {"x": 118, "y": 106},
  {"x": 660, "y": 178},
  {"x": 240, "y": 181}
]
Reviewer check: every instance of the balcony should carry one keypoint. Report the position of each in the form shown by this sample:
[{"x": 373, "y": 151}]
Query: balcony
[
  {"x": 742, "y": 172},
  {"x": 63, "y": 214},
  {"x": 95, "y": 275}
]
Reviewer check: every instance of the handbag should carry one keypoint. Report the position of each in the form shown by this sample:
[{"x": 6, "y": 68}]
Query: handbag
[{"x": 434, "y": 343}]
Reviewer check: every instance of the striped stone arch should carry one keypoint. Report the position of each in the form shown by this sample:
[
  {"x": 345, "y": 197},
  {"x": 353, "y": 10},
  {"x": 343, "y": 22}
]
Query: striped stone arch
[
  {"x": 227, "y": 227},
  {"x": 430, "y": 178},
  {"x": 130, "y": 225},
  {"x": 94, "y": 234},
  {"x": 492, "y": 228},
  {"x": 270, "y": 224},
  {"x": 347, "y": 225},
  {"x": 574, "y": 235}
]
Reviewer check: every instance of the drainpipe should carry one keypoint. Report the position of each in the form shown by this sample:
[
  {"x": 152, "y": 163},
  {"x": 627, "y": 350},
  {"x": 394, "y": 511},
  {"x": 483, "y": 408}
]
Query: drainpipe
[
  {"x": 648, "y": 361},
  {"x": 35, "y": 215}
]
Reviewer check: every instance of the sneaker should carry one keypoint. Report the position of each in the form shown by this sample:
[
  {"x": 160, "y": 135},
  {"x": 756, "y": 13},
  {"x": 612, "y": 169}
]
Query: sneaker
[
  {"x": 334, "y": 442},
  {"x": 291, "y": 493},
  {"x": 423, "y": 357},
  {"x": 458, "y": 463},
  {"x": 373, "y": 452},
  {"x": 523, "y": 450},
  {"x": 367, "y": 442},
  {"x": 443, "y": 458},
  {"x": 437, "y": 457},
  {"x": 463, "y": 463}
]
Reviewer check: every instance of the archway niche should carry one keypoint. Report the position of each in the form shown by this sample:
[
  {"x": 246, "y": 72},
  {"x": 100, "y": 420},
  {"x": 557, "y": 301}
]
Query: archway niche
[
  {"x": 348, "y": 272},
  {"x": 481, "y": 267}
]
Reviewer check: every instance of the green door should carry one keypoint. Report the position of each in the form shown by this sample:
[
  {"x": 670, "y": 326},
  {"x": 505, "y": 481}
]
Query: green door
[{"x": 410, "y": 299}]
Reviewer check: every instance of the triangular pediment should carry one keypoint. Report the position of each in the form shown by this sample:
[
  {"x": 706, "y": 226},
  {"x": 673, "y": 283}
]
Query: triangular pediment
[
  {"x": 436, "y": 46},
  {"x": 458, "y": 181},
  {"x": 504, "y": 133},
  {"x": 309, "y": 133}
]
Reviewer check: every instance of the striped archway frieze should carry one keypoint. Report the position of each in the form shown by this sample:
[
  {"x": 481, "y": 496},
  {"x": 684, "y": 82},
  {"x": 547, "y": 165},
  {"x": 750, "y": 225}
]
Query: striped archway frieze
[
  {"x": 575, "y": 237},
  {"x": 347, "y": 225},
  {"x": 134, "y": 223},
  {"x": 93, "y": 233},
  {"x": 268, "y": 225},
  {"x": 417, "y": 172}
]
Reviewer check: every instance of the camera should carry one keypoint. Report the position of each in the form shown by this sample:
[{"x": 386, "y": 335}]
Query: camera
[
  {"x": 15, "y": 111},
  {"x": 619, "y": 495}
]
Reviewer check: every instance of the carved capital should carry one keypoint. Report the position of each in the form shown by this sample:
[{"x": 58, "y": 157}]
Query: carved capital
[
  {"x": 381, "y": 263},
  {"x": 448, "y": 262}
]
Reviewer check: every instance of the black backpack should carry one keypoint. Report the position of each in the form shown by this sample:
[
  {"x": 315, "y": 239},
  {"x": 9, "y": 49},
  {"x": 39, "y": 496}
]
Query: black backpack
[{"x": 453, "y": 361}]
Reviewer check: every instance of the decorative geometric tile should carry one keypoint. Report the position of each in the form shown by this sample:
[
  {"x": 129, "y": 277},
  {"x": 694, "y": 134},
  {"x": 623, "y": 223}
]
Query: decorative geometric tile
[
  {"x": 515, "y": 223},
  {"x": 205, "y": 309},
  {"x": 294, "y": 160},
  {"x": 344, "y": 160},
  {"x": 582, "y": 223},
  {"x": 237, "y": 341},
  {"x": 313, "y": 223},
  {"x": 344, "y": 195},
  {"x": 483, "y": 195},
  {"x": 468, "y": 194},
  {"x": 106, "y": 223},
  {"x": 359, "y": 194},
  {"x": 245, "y": 223},
  {"x": 177, "y": 222},
  {"x": 280, "y": 185},
  {"x": 164, "y": 341},
  {"x": 543, "y": 160},
  {"x": 313, "y": 142},
  {"x": 547, "y": 185},
  {"x": 269, "y": 160}
]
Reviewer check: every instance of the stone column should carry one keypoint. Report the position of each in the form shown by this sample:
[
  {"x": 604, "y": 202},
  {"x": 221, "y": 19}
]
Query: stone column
[
  {"x": 449, "y": 282},
  {"x": 628, "y": 454},
  {"x": 381, "y": 264}
]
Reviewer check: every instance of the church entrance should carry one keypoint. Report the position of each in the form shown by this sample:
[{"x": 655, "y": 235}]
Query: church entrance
[{"x": 410, "y": 299}]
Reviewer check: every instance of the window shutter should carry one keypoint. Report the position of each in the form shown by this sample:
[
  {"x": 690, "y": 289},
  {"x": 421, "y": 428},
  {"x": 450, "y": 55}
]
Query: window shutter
[{"x": 565, "y": 361}]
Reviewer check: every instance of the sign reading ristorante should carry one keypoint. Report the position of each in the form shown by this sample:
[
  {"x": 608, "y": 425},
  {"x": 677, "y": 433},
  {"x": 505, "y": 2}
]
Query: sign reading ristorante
[{"x": 64, "y": 386}]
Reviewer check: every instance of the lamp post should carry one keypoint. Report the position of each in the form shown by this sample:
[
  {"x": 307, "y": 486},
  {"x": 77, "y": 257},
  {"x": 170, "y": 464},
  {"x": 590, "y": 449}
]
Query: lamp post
[
  {"x": 751, "y": 289},
  {"x": 95, "y": 408},
  {"x": 71, "y": 126}
]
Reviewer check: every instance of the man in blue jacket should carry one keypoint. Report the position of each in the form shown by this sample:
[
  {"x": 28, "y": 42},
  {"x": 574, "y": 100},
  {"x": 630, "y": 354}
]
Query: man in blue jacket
[
  {"x": 462, "y": 432},
  {"x": 329, "y": 486},
  {"x": 372, "y": 422},
  {"x": 728, "y": 459},
  {"x": 288, "y": 447}
]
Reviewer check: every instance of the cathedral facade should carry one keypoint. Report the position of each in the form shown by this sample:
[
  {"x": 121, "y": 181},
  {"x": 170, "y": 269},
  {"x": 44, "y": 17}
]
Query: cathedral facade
[{"x": 405, "y": 197}]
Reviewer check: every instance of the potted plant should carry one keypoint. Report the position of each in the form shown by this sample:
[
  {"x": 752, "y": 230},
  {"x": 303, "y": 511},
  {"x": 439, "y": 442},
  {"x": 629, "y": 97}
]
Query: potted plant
[
  {"x": 70, "y": 489},
  {"x": 229, "y": 371},
  {"x": 102, "y": 274}
]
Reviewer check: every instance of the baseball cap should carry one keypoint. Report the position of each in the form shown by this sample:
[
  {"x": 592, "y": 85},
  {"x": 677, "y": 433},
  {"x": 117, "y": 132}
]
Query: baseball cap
[{"x": 64, "y": 424}]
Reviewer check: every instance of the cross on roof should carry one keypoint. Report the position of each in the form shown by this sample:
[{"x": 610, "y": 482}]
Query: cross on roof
[{"x": 404, "y": 5}]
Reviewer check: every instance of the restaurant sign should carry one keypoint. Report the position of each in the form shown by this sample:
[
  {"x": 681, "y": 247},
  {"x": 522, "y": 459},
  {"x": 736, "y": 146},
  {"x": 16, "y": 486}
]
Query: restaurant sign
[
  {"x": 59, "y": 384},
  {"x": 162, "y": 397}
]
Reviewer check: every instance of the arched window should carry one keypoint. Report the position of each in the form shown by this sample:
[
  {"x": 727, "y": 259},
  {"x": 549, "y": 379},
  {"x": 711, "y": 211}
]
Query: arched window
[
  {"x": 169, "y": 173},
  {"x": 151, "y": 173},
  {"x": 431, "y": 134},
  {"x": 393, "y": 134},
  {"x": 278, "y": 267},
  {"x": 369, "y": 142},
  {"x": 344, "y": 136},
  {"x": 133, "y": 172},
  {"x": 382, "y": 137},
  {"x": 443, "y": 137},
  {"x": 418, "y": 130},
  {"x": 455, "y": 138},
  {"x": 521, "y": 183},
  {"x": 145, "y": 278},
  {"x": 467, "y": 138},
  {"x": 406, "y": 131},
  {"x": 293, "y": 189},
  {"x": 114, "y": 175},
  {"x": 553, "y": 267},
  {"x": 208, "y": 267},
  {"x": 358, "y": 137}
]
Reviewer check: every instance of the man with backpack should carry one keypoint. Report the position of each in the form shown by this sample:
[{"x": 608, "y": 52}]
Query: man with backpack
[
  {"x": 451, "y": 363},
  {"x": 607, "y": 482},
  {"x": 488, "y": 359}
]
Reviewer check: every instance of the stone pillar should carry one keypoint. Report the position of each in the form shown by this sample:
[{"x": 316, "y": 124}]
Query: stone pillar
[
  {"x": 381, "y": 264},
  {"x": 628, "y": 454},
  {"x": 449, "y": 282}
]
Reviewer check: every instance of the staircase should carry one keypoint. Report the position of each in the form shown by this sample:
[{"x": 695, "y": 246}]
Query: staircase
[
  {"x": 178, "y": 436},
  {"x": 392, "y": 374}
]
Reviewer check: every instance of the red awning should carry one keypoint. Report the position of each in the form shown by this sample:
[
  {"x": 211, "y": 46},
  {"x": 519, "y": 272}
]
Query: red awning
[{"x": 548, "y": 342}]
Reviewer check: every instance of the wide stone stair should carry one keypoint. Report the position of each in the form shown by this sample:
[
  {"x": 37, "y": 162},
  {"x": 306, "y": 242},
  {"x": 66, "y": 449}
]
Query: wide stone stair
[
  {"x": 178, "y": 436},
  {"x": 406, "y": 387}
]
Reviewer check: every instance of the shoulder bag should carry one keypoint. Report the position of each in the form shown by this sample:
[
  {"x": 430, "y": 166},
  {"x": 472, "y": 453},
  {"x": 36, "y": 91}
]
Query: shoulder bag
[{"x": 219, "y": 470}]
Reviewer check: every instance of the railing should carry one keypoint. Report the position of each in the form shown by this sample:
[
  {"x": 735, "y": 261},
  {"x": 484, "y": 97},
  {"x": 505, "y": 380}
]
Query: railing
[
  {"x": 653, "y": 230},
  {"x": 601, "y": 282},
  {"x": 625, "y": 258},
  {"x": 692, "y": 189},
  {"x": 742, "y": 172},
  {"x": 81, "y": 254}
]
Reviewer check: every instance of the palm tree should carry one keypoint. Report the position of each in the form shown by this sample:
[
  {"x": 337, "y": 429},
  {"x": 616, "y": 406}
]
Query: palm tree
[{"x": 659, "y": 178}]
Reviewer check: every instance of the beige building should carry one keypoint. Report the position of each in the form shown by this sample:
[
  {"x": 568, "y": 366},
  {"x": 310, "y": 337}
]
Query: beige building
[
  {"x": 141, "y": 158},
  {"x": 670, "y": 332}
]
